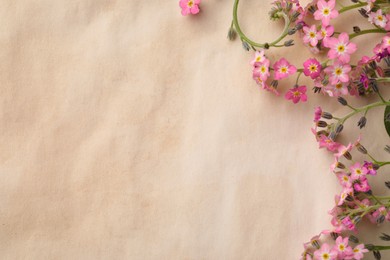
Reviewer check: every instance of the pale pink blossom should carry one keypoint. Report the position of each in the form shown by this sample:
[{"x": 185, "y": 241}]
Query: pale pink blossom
[
  {"x": 342, "y": 247},
  {"x": 328, "y": 143},
  {"x": 259, "y": 58},
  {"x": 357, "y": 171},
  {"x": 358, "y": 252},
  {"x": 262, "y": 70},
  {"x": 325, "y": 33},
  {"x": 338, "y": 89},
  {"x": 369, "y": 167},
  {"x": 189, "y": 6},
  {"x": 341, "y": 48},
  {"x": 325, "y": 253},
  {"x": 338, "y": 72},
  {"x": 377, "y": 18},
  {"x": 344, "y": 179},
  {"x": 263, "y": 84},
  {"x": 283, "y": 69},
  {"x": 310, "y": 35},
  {"x": 343, "y": 150},
  {"x": 326, "y": 11}
]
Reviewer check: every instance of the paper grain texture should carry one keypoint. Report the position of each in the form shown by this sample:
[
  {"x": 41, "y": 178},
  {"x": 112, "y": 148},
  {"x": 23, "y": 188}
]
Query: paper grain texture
[{"x": 130, "y": 132}]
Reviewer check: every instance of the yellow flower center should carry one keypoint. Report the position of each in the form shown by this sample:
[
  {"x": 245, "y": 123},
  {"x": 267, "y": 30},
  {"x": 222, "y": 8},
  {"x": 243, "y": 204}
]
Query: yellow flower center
[
  {"x": 283, "y": 69},
  {"x": 190, "y": 3},
  {"x": 325, "y": 256},
  {"x": 339, "y": 85},
  {"x": 380, "y": 18},
  {"x": 312, "y": 35},
  {"x": 326, "y": 11},
  {"x": 338, "y": 72},
  {"x": 356, "y": 250},
  {"x": 341, "y": 247},
  {"x": 345, "y": 178},
  {"x": 263, "y": 69},
  {"x": 296, "y": 93},
  {"x": 341, "y": 48},
  {"x": 323, "y": 32},
  {"x": 313, "y": 68},
  {"x": 358, "y": 171}
]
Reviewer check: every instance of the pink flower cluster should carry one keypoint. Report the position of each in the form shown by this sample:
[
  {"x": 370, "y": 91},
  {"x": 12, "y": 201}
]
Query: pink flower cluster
[{"x": 341, "y": 249}]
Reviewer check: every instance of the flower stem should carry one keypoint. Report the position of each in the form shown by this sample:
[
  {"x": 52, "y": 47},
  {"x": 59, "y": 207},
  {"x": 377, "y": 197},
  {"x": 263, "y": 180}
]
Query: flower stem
[
  {"x": 256, "y": 44},
  {"x": 360, "y": 109},
  {"x": 353, "y": 35},
  {"x": 350, "y": 7}
]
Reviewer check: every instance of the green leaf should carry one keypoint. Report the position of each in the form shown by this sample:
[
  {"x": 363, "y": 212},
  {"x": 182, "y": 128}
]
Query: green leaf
[{"x": 386, "y": 119}]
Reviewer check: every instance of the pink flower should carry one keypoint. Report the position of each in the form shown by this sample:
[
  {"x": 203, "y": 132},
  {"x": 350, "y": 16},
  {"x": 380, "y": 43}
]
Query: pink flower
[
  {"x": 312, "y": 68},
  {"x": 283, "y": 69},
  {"x": 311, "y": 35},
  {"x": 342, "y": 247},
  {"x": 325, "y": 11},
  {"x": 341, "y": 48},
  {"x": 325, "y": 33},
  {"x": 378, "y": 18},
  {"x": 357, "y": 171},
  {"x": 343, "y": 150},
  {"x": 328, "y": 143},
  {"x": 336, "y": 90},
  {"x": 259, "y": 58},
  {"x": 344, "y": 194},
  {"x": 369, "y": 167},
  {"x": 265, "y": 86},
  {"x": 347, "y": 222},
  {"x": 189, "y": 6},
  {"x": 344, "y": 179},
  {"x": 325, "y": 253},
  {"x": 362, "y": 185},
  {"x": 338, "y": 72},
  {"x": 317, "y": 114},
  {"x": 358, "y": 252},
  {"x": 296, "y": 94},
  {"x": 386, "y": 43},
  {"x": 261, "y": 70}
]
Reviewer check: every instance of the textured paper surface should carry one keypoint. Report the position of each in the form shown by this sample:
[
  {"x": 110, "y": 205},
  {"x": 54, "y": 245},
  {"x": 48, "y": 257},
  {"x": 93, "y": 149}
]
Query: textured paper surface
[{"x": 131, "y": 132}]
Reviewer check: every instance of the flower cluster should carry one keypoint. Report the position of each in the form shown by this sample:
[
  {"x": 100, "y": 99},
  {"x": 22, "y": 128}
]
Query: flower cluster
[{"x": 341, "y": 248}]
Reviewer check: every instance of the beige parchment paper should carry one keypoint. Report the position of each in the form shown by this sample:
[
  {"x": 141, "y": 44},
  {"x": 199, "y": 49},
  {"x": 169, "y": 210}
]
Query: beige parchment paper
[{"x": 130, "y": 132}]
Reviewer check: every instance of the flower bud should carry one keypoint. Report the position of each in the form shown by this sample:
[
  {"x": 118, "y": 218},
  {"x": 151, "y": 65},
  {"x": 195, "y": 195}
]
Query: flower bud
[
  {"x": 340, "y": 165},
  {"x": 374, "y": 86},
  {"x": 373, "y": 65},
  {"x": 356, "y": 219},
  {"x": 356, "y": 29},
  {"x": 363, "y": 12},
  {"x": 246, "y": 46},
  {"x": 322, "y": 124},
  {"x": 232, "y": 34},
  {"x": 385, "y": 237},
  {"x": 274, "y": 84},
  {"x": 317, "y": 90},
  {"x": 339, "y": 128},
  {"x": 342, "y": 101},
  {"x": 362, "y": 122},
  {"x": 334, "y": 235},
  {"x": 387, "y": 148},
  {"x": 361, "y": 148},
  {"x": 312, "y": 9},
  {"x": 289, "y": 43},
  {"x": 292, "y": 31},
  {"x": 353, "y": 239},
  {"x": 380, "y": 219},
  {"x": 299, "y": 26},
  {"x": 387, "y": 183},
  {"x": 315, "y": 243},
  {"x": 348, "y": 156},
  {"x": 377, "y": 255},
  {"x": 326, "y": 115}
]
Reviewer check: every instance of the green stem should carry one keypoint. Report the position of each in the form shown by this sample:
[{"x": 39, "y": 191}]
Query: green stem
[
  {"x": 380, "y": 248},
  {"x": 256, "y": 44},
  {"x": 353, "y": 35},
  {"x": 350, "y": 7},
  {"x": 360, "y": 109}
]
